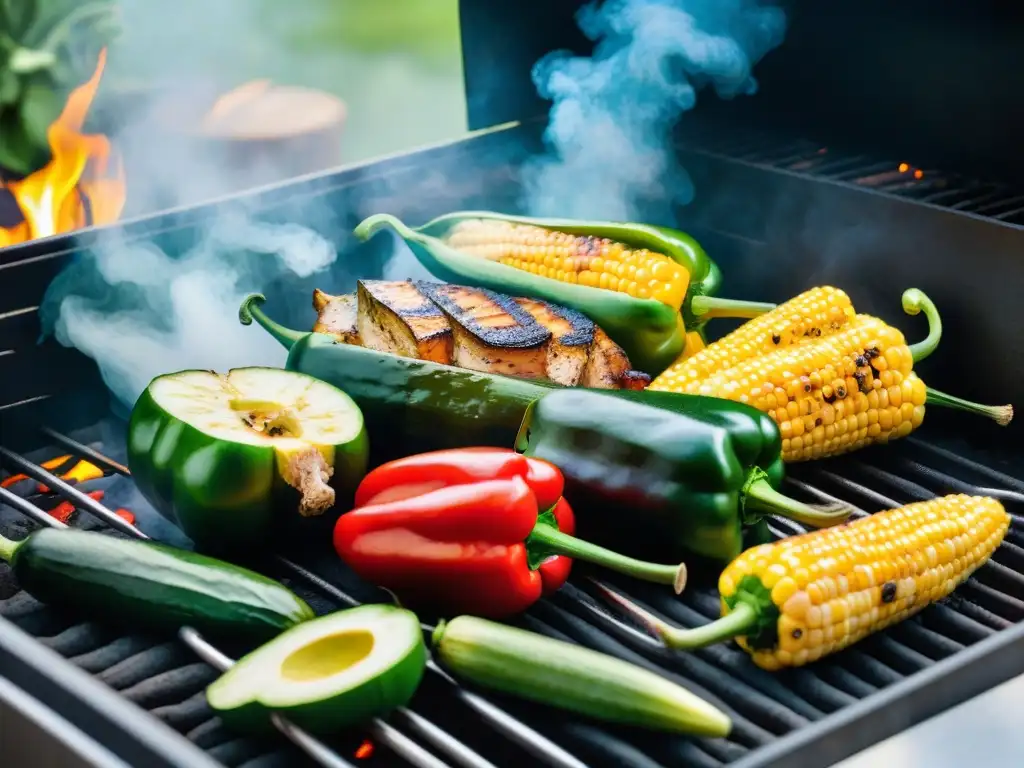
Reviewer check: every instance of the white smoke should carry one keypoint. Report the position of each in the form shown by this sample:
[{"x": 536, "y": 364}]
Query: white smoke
[
  {"x": 153, "y": 313},
  {"x": 609, "y": 134}
]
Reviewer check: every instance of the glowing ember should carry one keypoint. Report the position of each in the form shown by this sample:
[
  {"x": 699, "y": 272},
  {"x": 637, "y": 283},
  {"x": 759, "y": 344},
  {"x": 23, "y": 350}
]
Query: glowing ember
[
  {"x": 904, "y": 167},
  {"x": 80, "y": 473},
  {"x": 82, "y": 184},
  {"x": 365, "y": 750},
  {"x": 66, "y": 509},
  {"x": 52, "y": 464}
]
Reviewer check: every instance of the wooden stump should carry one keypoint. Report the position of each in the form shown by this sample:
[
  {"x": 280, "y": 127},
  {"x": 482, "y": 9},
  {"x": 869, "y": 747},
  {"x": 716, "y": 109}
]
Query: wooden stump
[{"x": 257, "y": 134}]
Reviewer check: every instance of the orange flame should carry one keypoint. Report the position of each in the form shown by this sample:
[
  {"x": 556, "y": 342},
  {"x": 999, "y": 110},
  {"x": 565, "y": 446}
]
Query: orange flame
[{"x": 82, "y": 184}]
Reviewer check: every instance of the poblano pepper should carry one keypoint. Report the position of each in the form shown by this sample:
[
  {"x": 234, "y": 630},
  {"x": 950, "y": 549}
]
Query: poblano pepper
[
  {"x": 665, "y": 475},
  {"x": 646, "y": 286}
]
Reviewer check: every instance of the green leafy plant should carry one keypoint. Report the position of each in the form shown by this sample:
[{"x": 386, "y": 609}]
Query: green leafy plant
[{"x": 47, "y": 47}]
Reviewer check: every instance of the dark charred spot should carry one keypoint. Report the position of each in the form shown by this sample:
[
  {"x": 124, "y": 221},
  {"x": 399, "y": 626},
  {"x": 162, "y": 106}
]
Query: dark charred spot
[
  {"x": 830, "y": 398},
  {"x": 797, "y": 634},
  {"x": 813, "y": 332},
  {"x": 776, "y": 338},
  {"x": 874, "y": 371},
  {"x": 817, "y": 422},
  {"x": 872, "y": 353},
  {"x": 807, "y": 387},
  {"x": 861, "y": 360},
  {"x": 834, "y": 325},
  {"x": 275, "y": 431},
  {"x": 888, "y": 591},
  {"x": 863, "y": 382},
  {"x": 840, "y": 392}
]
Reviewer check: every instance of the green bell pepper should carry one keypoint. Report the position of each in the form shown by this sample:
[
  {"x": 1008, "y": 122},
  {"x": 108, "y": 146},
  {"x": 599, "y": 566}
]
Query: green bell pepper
[
  {"x": 665, "y": 473},
  {"x": 226, "y": 456},
  {"x": 651, "y": 332}
]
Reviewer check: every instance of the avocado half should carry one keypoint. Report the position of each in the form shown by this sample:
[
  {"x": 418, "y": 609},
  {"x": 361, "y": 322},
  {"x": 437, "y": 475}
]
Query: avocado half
[{"x": 324, "y": 674}]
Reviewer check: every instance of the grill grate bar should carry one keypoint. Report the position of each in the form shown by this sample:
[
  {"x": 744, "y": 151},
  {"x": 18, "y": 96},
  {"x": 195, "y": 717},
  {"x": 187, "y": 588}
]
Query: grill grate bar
[
  {"x": 86, "y": 452},
  {"x": 510, "y": 727},
  {"x": 987, "y": 198}
]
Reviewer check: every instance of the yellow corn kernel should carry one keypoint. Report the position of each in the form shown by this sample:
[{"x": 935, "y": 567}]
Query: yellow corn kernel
[
  {"x": 884, "y": 568},
  {"x": 819, "y": 413},
  {"x": 814, "y": 314},
  {"x": 592, "y": 261}
]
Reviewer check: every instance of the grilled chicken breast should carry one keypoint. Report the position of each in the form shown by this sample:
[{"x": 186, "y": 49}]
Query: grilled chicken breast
[
  {"x": 608, "y": 366},
  {"x": 393, "y": 316},
  {"x": 478, "y": 330},
  {"x": 492, "y": 333},
  {"x": 572, "y": 338}
]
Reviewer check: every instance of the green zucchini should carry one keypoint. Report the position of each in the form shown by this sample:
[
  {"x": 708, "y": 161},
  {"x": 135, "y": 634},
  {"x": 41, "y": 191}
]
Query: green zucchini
[
  {"x": 338, "y": 670},
  {"x": 151, "y": 586},
  {"x": 568, "y": 676}
]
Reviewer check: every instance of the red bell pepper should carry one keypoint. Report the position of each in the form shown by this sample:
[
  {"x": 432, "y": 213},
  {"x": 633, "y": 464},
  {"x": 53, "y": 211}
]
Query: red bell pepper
[{"x": 483, "y": 531}]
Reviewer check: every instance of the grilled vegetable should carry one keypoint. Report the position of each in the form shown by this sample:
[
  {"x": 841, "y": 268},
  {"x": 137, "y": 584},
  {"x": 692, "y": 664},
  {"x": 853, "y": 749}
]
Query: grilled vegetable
[
  {"x": 672, "y": 476},
  {"x": 219, "y": 453},
  {"x": 150, "y": 586},
  {"x": 341, "y": 669},
  {"x": 804, "y": 597},
  {"x": 478, "y": 330},
  {"x": 480, "y": 530},
  {"x": 833, "y": 380},
  {"x": 645, "y": 286},
  {"x": 571, "y": 677}
]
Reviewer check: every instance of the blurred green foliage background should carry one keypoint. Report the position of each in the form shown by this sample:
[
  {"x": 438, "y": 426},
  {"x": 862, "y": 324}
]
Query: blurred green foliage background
[{"x": 396, "y": 63}]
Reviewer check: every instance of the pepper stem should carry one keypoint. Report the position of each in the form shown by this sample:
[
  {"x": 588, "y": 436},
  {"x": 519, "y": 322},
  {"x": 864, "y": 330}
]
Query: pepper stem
[
  {"x": 8, "y": 548},
  {"x": 250, "y": 309},
  {"x": 760, "y": 497},
  {"x": 369, "y": 226},
  {"x": 914, "y": 300},
  {"x": 1000, "y": 414},
  {"x": 556, "y": 542},
  {"x": 713, "y": 306},
  {"x": 741, "y": 620}
]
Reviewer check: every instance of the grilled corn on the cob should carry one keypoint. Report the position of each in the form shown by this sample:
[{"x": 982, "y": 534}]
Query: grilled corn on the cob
[
  {"x": 596, "y": 262},
  {"x": 834, "y": 381},
  {"x": 798, "y": 599}
]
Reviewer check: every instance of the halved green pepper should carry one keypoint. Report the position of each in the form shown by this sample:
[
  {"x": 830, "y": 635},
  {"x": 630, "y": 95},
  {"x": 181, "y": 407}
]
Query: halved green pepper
[
  {"x": 234, "y": 458},
  {"x": 653, "y": 333},
  {"x": 665, "y": 473}
]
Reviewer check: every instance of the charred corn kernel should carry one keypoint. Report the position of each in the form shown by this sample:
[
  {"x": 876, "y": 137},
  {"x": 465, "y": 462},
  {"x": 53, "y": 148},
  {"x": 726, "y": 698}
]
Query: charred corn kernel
[
  {"x": 886, "y": 567},
  {"x": 814, "y": 314},
  {"x": 592, "y": 261}
]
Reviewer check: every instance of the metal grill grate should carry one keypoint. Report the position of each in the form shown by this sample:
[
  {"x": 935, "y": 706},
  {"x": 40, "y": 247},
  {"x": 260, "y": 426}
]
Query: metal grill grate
[
  {"x": 167, "y": 678},
  {"x": 994, "y": 200}
]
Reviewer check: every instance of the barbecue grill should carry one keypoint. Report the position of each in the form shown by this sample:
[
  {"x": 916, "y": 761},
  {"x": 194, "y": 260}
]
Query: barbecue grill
[{"x": 802, "y": 184}]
